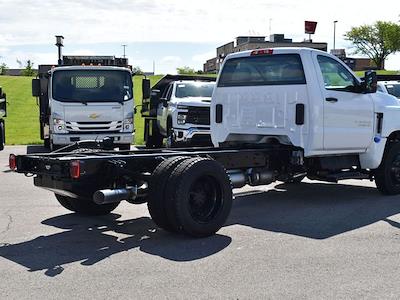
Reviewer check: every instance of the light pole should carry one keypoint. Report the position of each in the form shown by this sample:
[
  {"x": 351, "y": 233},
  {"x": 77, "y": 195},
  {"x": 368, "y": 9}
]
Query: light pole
[
  {"x": 124, "y": 50},
  {"x": 334, "y": 34}
]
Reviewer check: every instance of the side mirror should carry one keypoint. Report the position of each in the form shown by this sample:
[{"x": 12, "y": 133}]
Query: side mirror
[
  {"x": 146, "y": 89},
  {"x": 36, "y": 87},
  {"x": 370, "y": 82},
  {"x": 164, "y": 102}
]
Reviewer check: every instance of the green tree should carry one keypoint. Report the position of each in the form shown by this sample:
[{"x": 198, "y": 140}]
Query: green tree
[
  {"x": 137, "y": 70},
  {"x": 27, "y": 68},
  {"x": 185, "y": 70},
  {"x": 377, "y": 41},
  {"x": 3, "y": 69}
]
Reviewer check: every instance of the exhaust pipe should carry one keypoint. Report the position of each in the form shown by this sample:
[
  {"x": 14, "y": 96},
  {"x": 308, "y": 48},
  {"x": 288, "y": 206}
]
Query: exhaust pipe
[
  {"x": 251, "y": 176},
  {"x": 117, "y": 195},
  {"x": 238, "y": 178}
]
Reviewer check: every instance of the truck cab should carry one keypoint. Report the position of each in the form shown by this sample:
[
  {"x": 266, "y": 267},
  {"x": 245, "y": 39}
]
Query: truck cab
[
  {"x": 179, "y": 111},
  {"x": 3, "y": 114},
  {"x": 85, "y": 103},
  {"x": 183, "y": 116},
  {"x": 389, "y": 84},
  {"x": 303, "y": 98}
]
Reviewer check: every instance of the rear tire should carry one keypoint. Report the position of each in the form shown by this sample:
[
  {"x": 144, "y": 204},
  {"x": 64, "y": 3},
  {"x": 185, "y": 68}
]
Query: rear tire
[
  {"x": 47, "y": 143},
  {"x": 387, "y": 175},
  {"x": 2, "y": 136},
  {"x": 199, "y": 197},
  {"x": 85, "y": 207},
  {"x": 124, "y": 147},
  {"x": 155, "y": 139},
  {"x": 157, "y": 188}
]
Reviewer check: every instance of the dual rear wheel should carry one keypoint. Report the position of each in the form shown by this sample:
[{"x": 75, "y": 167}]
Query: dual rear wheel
[{"x": 190, "y": 195}]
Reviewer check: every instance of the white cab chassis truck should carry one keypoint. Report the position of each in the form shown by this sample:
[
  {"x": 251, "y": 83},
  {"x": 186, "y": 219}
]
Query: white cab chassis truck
[
  {"x": 85, "y": 103},
  {"x": 178, "y": 110},
  {"x": 276, "y": 115},
  {"x": 3, "y": 114}
]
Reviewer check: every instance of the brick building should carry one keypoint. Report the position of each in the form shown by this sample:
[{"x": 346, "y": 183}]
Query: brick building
[{"x": 243, "y": 43}]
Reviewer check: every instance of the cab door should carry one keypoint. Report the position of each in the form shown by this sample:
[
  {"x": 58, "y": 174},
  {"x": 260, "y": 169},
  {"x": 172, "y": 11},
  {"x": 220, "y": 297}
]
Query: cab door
[{"x": 348, "y": 113}]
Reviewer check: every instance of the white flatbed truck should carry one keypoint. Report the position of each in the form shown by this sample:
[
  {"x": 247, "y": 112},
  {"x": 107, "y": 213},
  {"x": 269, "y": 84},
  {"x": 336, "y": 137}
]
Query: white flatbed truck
[{"x": 276, "y": 114}]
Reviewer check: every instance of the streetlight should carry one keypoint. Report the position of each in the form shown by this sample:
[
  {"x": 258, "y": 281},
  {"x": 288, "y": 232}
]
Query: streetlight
[
  {"x": 334, "y": 34},
  {"x": 124, "y": 46},
  {"x": 59, "y": 44}
]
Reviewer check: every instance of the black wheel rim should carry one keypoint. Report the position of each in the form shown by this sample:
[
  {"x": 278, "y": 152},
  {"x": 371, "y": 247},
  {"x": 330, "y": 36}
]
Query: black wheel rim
[
  {"x": 395, "y": 170},
  {"x": 205, "y": 199}
]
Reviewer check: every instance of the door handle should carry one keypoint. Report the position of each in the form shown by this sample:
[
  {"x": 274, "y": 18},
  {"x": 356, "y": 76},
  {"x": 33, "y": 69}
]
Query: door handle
[{"x": 331, "y": 99}]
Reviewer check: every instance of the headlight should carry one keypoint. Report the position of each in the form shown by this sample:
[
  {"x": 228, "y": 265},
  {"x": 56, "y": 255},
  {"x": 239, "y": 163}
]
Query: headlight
[
  {"x": 181, "y": 120},
  {"x": 58, "y": 124},
  {"x": 128, "y": 121}
]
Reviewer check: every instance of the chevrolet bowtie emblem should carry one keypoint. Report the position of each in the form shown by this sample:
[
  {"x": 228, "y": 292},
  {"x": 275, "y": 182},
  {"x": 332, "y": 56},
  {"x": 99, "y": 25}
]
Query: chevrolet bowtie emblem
[{"x": 94, "y": 116}]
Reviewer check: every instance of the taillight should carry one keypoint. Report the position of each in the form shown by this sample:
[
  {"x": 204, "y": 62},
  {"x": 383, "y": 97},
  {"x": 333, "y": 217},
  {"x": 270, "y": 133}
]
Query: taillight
[
  {"x": 262, "y": 52},
  {"x": 12, "y": 162},
  {"x": 75, "y": 169}
]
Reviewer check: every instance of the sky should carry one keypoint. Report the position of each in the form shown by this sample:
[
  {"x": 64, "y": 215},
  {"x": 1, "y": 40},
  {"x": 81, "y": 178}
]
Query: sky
[{"x": 171, "y": 33}]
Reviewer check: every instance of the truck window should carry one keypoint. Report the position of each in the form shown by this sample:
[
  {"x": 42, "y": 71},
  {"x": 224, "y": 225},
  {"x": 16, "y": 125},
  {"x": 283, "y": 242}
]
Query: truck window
[
  {"x": 91, "y": 85},
  {"x": 195, "y": 89},
  {"x": 169, "y": 93},
  {"x": 335, "y": 75},
  {"x": 277, "y": 69},
  {"x": 393, "y": 89}
]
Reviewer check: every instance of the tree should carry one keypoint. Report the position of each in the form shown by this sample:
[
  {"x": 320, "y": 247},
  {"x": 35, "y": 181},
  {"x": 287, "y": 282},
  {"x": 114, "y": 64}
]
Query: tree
[
  {"x": 185, "y": 70},
  {"x": 28, "y": 68},
  {"x": 3, "y": 69},
  {"x": 137, "y": 70},
  {"x": 377, "y": 41}
]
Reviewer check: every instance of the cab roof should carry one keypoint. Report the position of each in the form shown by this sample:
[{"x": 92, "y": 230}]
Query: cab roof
[{"x": 278, "y": 50}]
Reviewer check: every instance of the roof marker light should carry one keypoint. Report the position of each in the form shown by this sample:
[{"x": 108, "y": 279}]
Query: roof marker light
[{"x": 262, "y": 52}]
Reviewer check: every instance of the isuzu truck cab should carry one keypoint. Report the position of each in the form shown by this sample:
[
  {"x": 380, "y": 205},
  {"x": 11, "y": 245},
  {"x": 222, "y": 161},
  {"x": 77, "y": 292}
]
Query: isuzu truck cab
[{"x": 85, "y": 103}]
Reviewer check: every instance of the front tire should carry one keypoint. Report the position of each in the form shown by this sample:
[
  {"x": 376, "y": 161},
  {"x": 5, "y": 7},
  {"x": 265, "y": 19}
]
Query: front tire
[
  {"x": 2, "y": 136},
  {"x": 387, "y": 175},
  {"x": 171, "y": 143},
  {"x": 85, "y": 207}
]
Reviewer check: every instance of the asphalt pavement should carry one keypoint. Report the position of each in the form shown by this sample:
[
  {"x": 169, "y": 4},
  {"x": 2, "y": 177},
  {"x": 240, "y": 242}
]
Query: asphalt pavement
[{"x": 313, "y": 240}]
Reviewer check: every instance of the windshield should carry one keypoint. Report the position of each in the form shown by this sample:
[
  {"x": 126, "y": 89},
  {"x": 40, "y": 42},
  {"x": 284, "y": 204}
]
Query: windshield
[
  {"x": 92, "y": 86},
  {"x": 195, "y": 89},
  {"x": 393, "y": 89}
]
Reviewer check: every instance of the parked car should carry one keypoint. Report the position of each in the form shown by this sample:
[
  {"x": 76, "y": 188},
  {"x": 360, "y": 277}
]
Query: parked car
[
  {"x": 389, "y": 87},
  {"x": 179, "y": 111}
]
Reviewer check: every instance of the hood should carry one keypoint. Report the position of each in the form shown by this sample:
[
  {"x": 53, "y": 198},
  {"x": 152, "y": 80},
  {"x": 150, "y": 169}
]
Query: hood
[
  {"x": 93, "y": 112},
  {"x": 193, "y": 101}
]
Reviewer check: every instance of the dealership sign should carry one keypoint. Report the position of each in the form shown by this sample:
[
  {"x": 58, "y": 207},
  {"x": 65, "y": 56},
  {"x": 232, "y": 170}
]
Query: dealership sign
[{"x": 310, "y": 26}]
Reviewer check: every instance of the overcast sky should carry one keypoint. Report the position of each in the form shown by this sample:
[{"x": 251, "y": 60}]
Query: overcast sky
[{"x": 171, "y": 33}]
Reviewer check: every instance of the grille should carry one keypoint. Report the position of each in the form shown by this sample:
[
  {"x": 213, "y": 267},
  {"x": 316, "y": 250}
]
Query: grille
[
  {"x": 113, "y": 126},
  {"x": 198, "y": 115}
]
